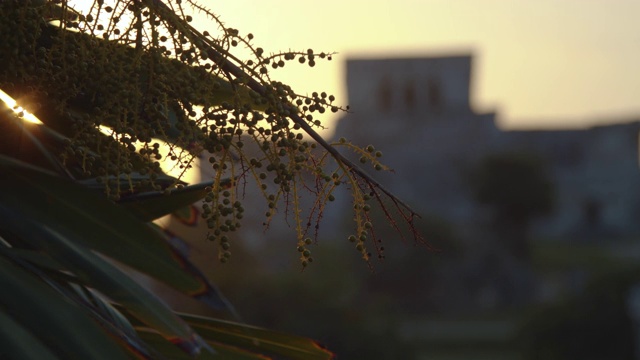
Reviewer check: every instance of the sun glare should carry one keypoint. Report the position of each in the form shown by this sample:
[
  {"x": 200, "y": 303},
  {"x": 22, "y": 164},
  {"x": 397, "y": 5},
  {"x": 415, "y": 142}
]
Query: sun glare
[
  {"x": 169, "y": 166},
  {"x": 13, "y": 105}
]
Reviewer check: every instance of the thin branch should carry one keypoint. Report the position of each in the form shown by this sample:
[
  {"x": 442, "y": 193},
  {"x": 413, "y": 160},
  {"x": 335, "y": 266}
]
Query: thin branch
[{"x": 221, "y": 59}]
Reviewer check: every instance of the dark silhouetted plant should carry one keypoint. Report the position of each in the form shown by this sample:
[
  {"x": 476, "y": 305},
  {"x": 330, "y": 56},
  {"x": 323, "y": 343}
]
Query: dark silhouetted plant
[{"x": 110, "y": 84}]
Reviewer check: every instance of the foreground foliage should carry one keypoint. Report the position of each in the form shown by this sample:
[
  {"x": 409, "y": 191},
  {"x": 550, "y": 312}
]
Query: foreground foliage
[
  {"x": 119, "y": 87},
  {"x": 63, "y": 297}
]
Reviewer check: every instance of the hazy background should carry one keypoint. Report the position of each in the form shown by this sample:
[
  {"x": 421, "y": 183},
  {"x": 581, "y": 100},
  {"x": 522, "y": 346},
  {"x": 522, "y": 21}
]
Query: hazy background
[
  {"x": 536, "y": 64},
  {"x": 540, "y": 63}
]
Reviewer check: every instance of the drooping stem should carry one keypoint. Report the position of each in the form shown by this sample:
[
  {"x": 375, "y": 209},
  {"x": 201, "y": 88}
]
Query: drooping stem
[{"x": 221, "y": 58}]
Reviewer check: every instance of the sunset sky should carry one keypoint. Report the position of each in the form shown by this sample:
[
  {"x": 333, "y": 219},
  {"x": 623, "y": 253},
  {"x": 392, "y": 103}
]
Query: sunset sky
[{"x": 538, "y": 63}]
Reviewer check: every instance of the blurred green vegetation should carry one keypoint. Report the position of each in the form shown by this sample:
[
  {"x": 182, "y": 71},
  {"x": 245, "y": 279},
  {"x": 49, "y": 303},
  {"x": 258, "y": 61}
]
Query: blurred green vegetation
[{"x": 395, "y": 311}]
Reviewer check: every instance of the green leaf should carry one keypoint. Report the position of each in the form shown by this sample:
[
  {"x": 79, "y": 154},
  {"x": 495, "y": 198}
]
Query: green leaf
[
  {"x": 153, "y": 205},
  {"x": 212, "y": 297},
  {"x": 105, "y": 277},
  {"x": 110, "y": 315},
  {"x": 92, "y": 221},
  {"x": 238, "y": 341},
  {"x": 222, "y": 351},
  {"x": 257, "y": 339},
  {"x": 49, "y": 317},
  {"x": 39, "y": 259},
  {"x": 168, "y": 349},
  {"x": 252, "y": 341},
  {"x": 16, "y": 342},
  {"x": 71, "y": 287}
]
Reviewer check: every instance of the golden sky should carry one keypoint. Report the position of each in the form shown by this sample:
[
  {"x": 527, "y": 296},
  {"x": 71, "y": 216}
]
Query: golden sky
[{"x": 538, "y": 63}]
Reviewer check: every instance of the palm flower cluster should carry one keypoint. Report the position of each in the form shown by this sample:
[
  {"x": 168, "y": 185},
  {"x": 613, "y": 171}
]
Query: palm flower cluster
[{"x": 119, "y": 79}]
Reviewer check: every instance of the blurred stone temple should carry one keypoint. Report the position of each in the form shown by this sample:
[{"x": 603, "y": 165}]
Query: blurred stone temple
[
  {"x": 530, "y": 209},
  {"x": 418, "y": 111}
]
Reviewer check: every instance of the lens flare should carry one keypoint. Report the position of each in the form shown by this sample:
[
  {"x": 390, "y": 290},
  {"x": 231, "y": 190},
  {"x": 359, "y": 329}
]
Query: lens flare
[{"x": 13, "y": 105}]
